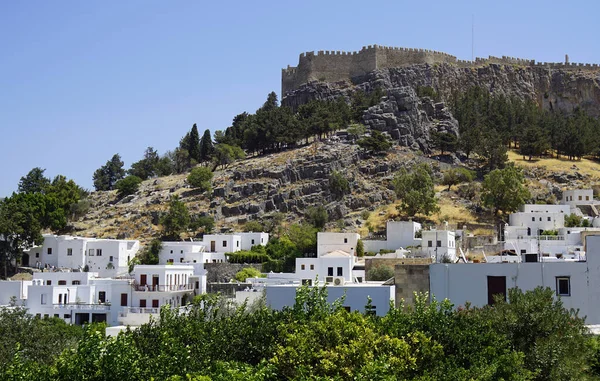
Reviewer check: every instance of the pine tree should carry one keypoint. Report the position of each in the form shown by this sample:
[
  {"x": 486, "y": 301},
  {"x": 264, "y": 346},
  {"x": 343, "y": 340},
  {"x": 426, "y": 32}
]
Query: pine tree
[
  {"x": 194, "y": 143},
  {"x": 206, "y": 146}
]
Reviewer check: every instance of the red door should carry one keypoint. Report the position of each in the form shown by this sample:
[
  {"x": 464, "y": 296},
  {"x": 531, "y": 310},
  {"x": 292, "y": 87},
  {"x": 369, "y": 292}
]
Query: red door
[{"x": 143, "y": 280}]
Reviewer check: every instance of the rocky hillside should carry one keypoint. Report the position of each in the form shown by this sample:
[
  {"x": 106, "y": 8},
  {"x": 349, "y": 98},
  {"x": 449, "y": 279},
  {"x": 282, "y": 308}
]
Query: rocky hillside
[{"x": 289, "y": 182}]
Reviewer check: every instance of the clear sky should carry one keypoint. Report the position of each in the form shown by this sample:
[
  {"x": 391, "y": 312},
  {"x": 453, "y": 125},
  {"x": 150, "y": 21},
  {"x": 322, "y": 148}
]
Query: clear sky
[{"x": 82, "y": 80}]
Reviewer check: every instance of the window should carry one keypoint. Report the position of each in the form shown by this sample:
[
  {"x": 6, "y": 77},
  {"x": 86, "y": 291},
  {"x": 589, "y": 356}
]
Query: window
[
  {"x": 155, "y": 303},
  {"x": 67, "y": 316},
  {"x": 75, "y": 282},
  {"x": 330, "y": 271},
  {"x": 56, "y": 315},
  {"x": 237, "y": 243},
  {"x": 345, "y": 240},
  {"x": 533, "y": 219},
  {"x": 302, "y": 267},
  {"x": 540, "y": 218},
  {"x": 49, "y": 250},
  {"x": 439, "y": 243},
  {"x": 62, "y": 282},
  {"x": 142, "y": 303},
  {"x": 312, "y": 267},
  {"x": 37, "y": 255},
  {"x": 549, "y": 219},
  {"x": 123, "y": 300},
  {"x": 102, "y": 296},
  {"x": 523, "y": 251},
  {"x": 43, "y": 299},
  {"x": 579, "y": 198},
  {"x": 224, "y": 243},
  {"x": 587, "y": 198},
  {"x": 253, "y": 242},
  {"x": 171, "y": 260},
  {"x": 171, "y": 251},
  {"x": 69, "y": 251},
  {"x": 429, "y": 244},
  {"x": 180, "y": 260},
  {"x": 110, "y": 259},
  {"x": 563, "y": 286},
  {"x": 340, "y": 271},
  {"x": 181, "y": 252},
  {"x": 48, "y": 282},
  {"x": 307, "y": 282},
  {"x": 59, "y": 298},
  {"x": 98, "y": 252},
  {"x": 91, "y": 252}
]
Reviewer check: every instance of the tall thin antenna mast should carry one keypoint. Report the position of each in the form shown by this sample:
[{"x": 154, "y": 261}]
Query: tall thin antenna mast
[{"x": 473, "y": 37}]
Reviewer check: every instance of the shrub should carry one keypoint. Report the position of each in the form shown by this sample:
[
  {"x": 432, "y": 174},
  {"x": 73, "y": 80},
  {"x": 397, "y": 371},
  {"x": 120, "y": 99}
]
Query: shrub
[
  {"x": 253, "y": 226},
  {"x": 317, "y": 217},
  {"x": 365, "y": 214},
  {"x": 338, "y": 185},
  {"x": 380, "y": 272},
  {"x": 128, "y": 185},
  {"x": 200, "y": 178},
  {"x": 360, "y": 248},
  {"x": 248, "y": 272}
]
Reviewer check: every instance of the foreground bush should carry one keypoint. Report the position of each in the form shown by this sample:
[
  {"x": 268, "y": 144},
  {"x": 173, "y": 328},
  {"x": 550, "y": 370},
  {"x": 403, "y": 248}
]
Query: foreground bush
[{"x": 531, "y": 338}]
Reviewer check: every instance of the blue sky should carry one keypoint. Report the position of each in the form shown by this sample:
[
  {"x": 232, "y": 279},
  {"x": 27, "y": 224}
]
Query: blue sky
[{"x": 82, "y": 80}]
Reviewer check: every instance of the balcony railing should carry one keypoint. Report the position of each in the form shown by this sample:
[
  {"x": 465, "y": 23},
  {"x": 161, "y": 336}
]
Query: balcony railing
[
  {"x": 138, "y": 310},
  {"x": 80, "y": 306},
  {"x": 163, "y": 288}
]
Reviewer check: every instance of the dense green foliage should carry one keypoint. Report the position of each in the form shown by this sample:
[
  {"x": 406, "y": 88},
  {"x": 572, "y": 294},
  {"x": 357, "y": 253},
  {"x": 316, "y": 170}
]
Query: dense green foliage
[
  {"x": 376, "y": 142},
  {"x": 176, "y": 220},
  {"x": 107, "y": 176},
  {"x": 455, "y": 176},
  {"x": 200, "y": 178},
  {"x": 317, "y": 217},
  {"x": 532, "y": 337},
  {"x": 128, "y": 185},
  {"x": 504, "y": 189},
  {"x": 380, "y": 272},
  {"x": 415, "y": 190},
  {"x": 247, "y": 272},
  {"x": 488, "y": 123},
  {"x": 444, "y": 141},
  {"x": 338, "y": 185},
  {"x": 148, "y": 167}
]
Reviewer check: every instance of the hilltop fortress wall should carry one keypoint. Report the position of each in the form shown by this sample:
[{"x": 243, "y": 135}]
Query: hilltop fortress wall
[{"x": 334, "y": 66}]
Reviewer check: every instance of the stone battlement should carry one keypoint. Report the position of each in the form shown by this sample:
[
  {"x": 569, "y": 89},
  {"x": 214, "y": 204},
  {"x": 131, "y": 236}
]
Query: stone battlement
[{"x": 334, "y": 66}]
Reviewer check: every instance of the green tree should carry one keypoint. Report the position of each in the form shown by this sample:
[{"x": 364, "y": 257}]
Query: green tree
[
  {"x": 380, "y": 273},
  {"x": 444, "y": 141},
  {"x": 147, "y": 167},
  {"x": 317, "y": 217},
  {"x": 360, "y": 248},
  {"x": 534, "y": 142},
  {"x": 193, "y": 144},
  {"x": 206, "y": 147},
  {"x": 356, "y": 130},
  {"x": 455, "y": 176},
  {"x": 253, "y": 226},
  {"x": 206, "y": 223},
  {"x": 176, "y": 220},
  {"x": 416, "y": 190},
  {"x": 200, "y": 178},
  {"x": 504, "y": 189},
  {"x": 303, "y": 236},
  {"x": 107, "y": 176},
  {"x": 226, "y": 154},
  {"x": 128, "y": 185},
  {"x": 338, "y": 185},
  {"x": 248, "y": 272},
  {"x": 492, "y": 150},
  {"x": 572, "y": 220},
  {"x": 375, "y": 143},
  {"x": 34, "y": 181},
  {"x": 150, "y": 254}
]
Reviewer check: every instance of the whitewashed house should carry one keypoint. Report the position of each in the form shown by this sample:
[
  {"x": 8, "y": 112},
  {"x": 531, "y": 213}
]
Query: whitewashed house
[
  {"x": 107, "y": 257},
  {"x": 576, "y": 283},
  {"x": 439, "y": 244},
  {"x": 399, "y": 235},
  {"x": 157, "y": 285}
]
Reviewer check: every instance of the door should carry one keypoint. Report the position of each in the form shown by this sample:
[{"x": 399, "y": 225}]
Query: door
[
  {"x": 102, "y": 296},
  {"x": 123, "y": 300},
  {"x": 212, "y": 246},
  {"x": 496, "y": 285},
  {"x": 155, "y": 282},
  {"x": 143, "y": 280}
]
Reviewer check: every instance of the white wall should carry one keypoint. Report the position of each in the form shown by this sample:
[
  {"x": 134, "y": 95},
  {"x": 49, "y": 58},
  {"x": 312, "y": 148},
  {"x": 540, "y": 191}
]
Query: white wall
[
  {"x": 356, "y": 296},
  {"x": 328, "y": 242},
  {"x": 13, "y": 288},
  {"x": 225, "y": 243},
  {"x": 399, "y": 234},
  {"x": 253, "y": 239},
  {"x": 463, "y": 283},
  {"x": 577, "y": 196},
  {"x": 446, "y": 241}
]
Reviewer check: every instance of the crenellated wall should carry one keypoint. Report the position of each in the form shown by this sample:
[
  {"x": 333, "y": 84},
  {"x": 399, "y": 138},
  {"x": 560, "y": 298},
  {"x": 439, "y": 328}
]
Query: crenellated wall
[{"x": 334, "y": 66}]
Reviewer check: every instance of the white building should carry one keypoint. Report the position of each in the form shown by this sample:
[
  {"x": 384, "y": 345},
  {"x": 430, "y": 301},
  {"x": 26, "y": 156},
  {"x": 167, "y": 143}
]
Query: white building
[
  {"x": 328, "y": 242},
  {"x": 107, "y": 257},
  {"x": 157, "y": 285},
  {"x": 577, "y": 283},
  {"x": 253, "y": 239},
  {"x": 399, "y": 234},
  {"x": 333, "y": 267},
  {"x": 576, "y": 197},
  {"x": 188, "y": 252},
  {"x": 439, "y": 244},
  {"x": 13, "y": 291}
]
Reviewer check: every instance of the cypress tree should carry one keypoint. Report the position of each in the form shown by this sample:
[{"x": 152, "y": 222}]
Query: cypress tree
[
  {"x": 194, "y": 143},
  {"x": 206, "y": 146}
]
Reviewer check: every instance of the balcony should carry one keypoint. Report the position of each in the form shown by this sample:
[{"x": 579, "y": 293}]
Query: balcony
[
  {"x": 138, "y": 310},
  {"x": 81, "y": 306},
  {"x": 163, "y": 288}
]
